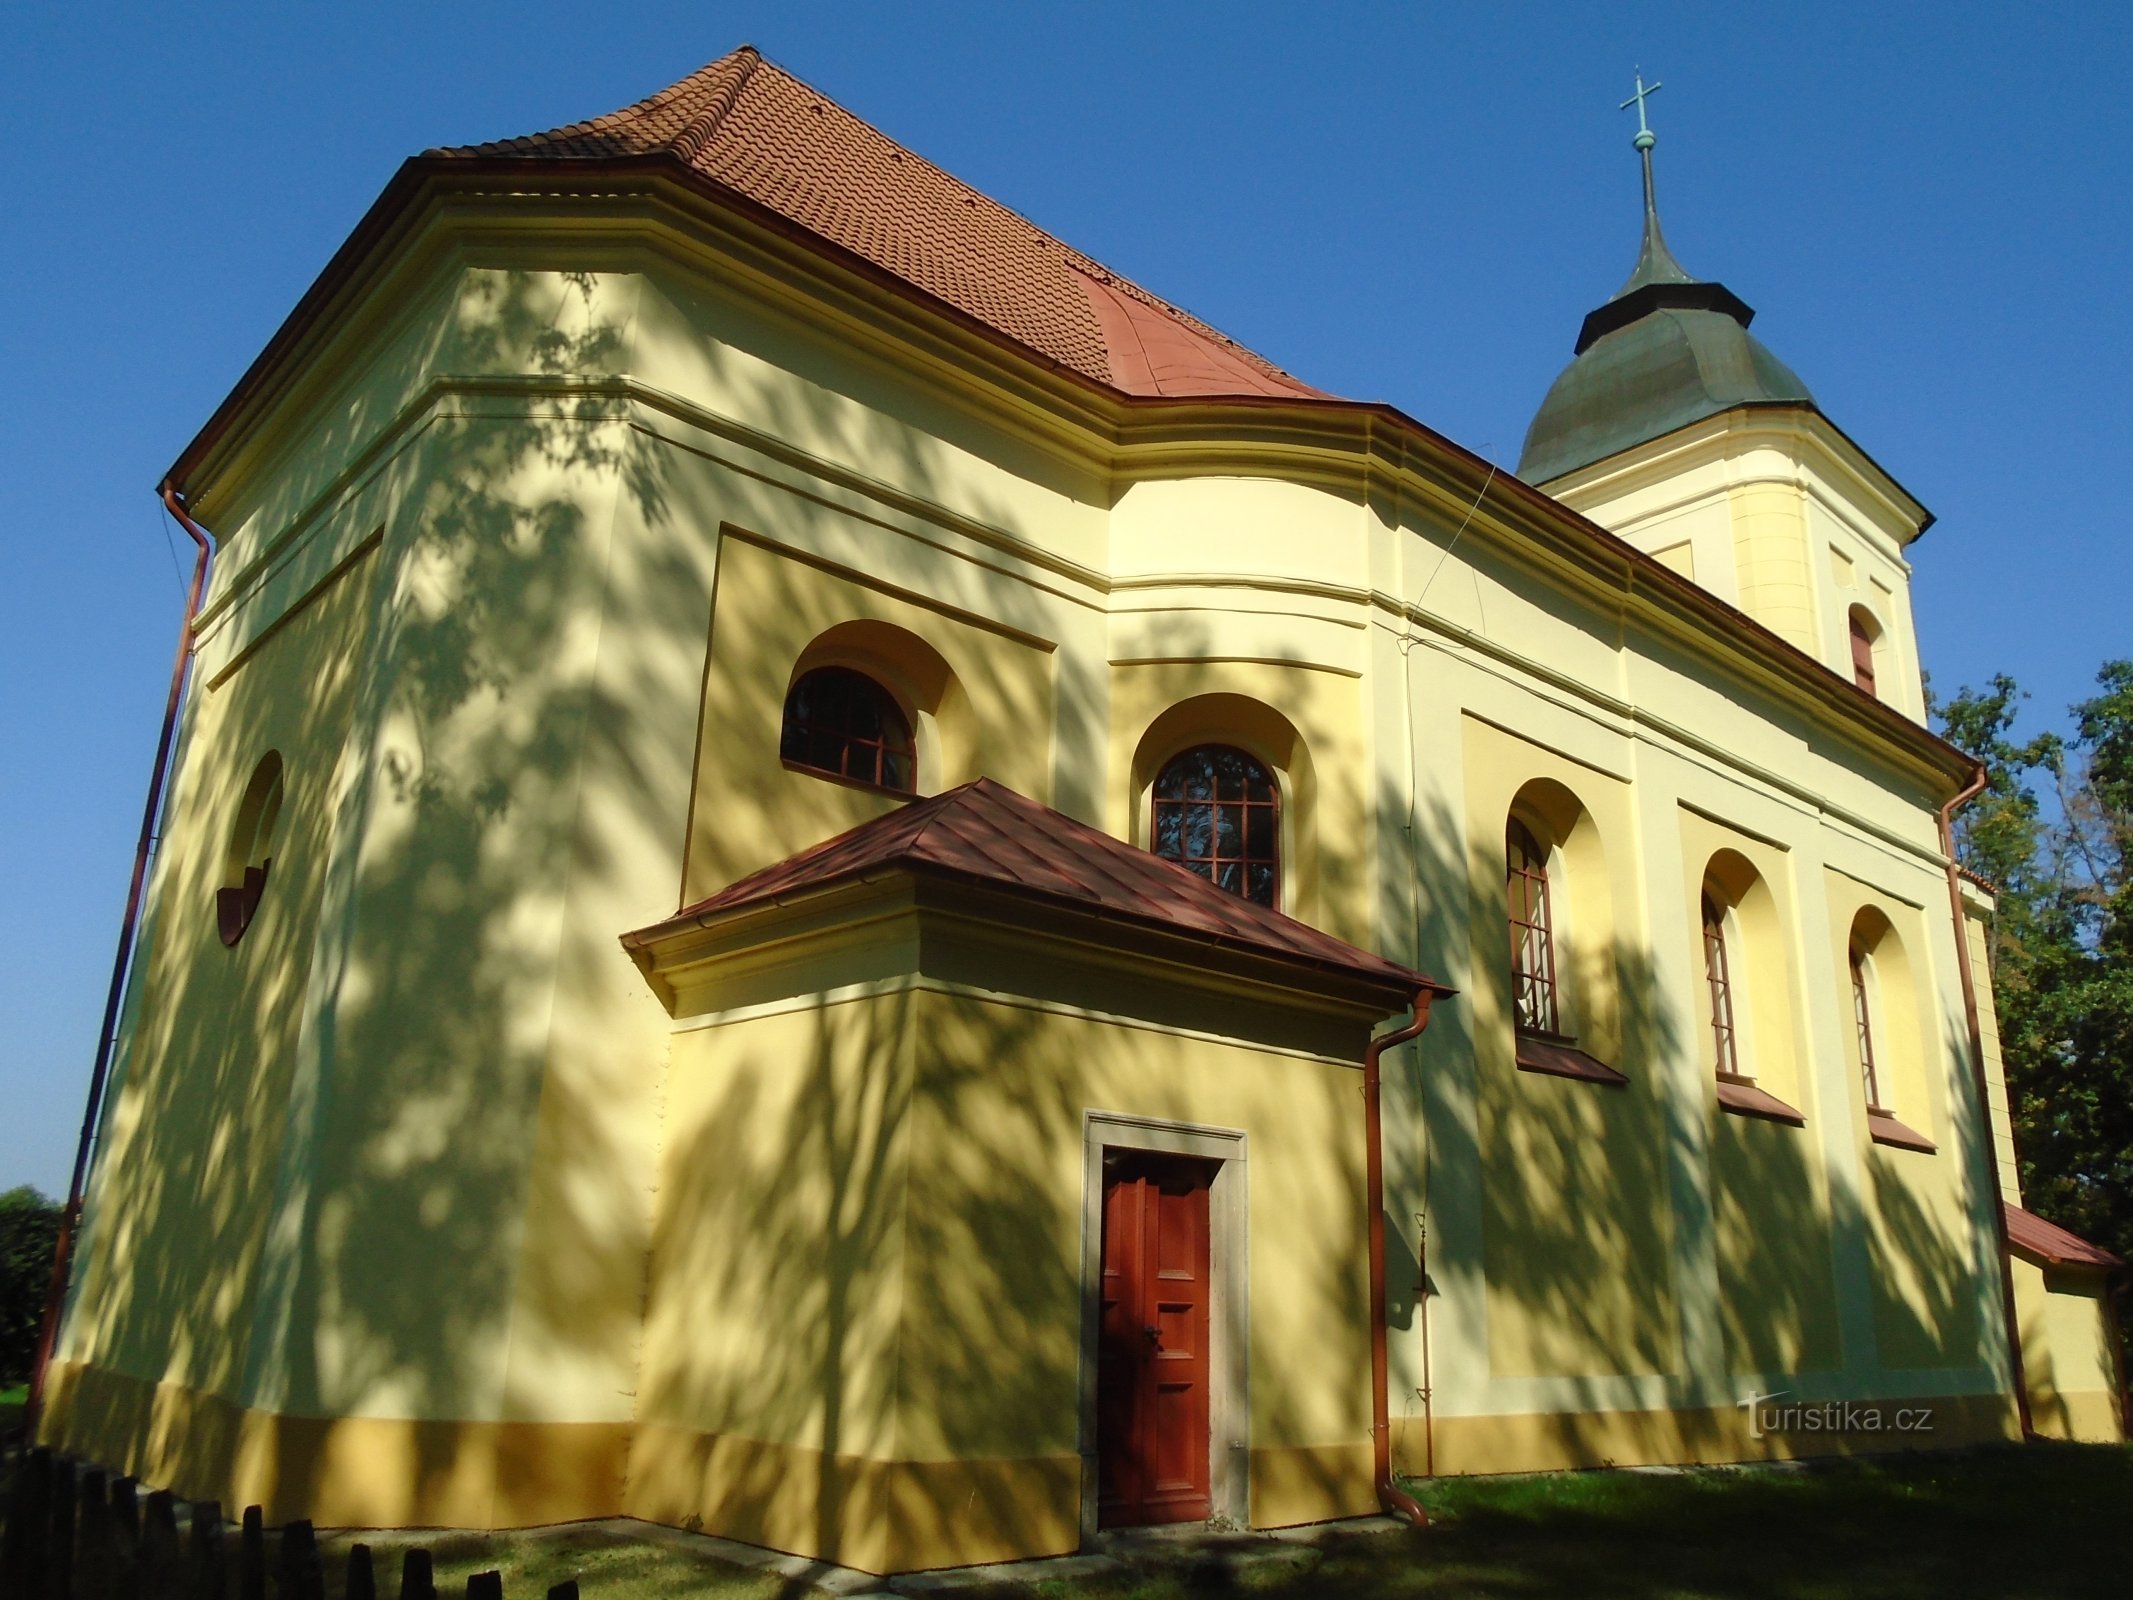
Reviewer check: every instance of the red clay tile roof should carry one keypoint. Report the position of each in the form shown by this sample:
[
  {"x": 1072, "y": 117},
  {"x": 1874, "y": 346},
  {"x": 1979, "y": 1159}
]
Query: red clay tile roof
[
  {"x": 753, "y": 128},
  {"x": 1980, "y": 880},
  {"x": 984, "y": 832},
  {"x": 2032, "y": 1235}
]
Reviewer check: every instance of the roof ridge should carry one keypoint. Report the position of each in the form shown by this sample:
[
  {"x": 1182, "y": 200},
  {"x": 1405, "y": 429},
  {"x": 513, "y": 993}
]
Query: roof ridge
[
  {"x": 936, "y": 808},
  {"x": 988, "y": 834},
  {"x": 758, "y": 129},
  {"x": 690, "y": 142},
  {"x": 1074, "y": 257},
  {"x": 625, "y": 116}
]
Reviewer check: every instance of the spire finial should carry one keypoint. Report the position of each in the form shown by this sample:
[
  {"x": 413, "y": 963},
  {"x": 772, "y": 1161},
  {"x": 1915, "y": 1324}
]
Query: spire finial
[{"x": 1655, "y": 263}]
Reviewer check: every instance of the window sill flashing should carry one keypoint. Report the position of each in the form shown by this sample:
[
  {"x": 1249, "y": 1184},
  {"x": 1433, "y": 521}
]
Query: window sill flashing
[
  {"x": 1556, "y": 1055},
  {"x": 1885, "y": 1129},
  {"x": 1742, "y": 1098}
]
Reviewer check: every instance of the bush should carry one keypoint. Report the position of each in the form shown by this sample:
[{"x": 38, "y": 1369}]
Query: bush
[{"x": 29, "y": 1234}]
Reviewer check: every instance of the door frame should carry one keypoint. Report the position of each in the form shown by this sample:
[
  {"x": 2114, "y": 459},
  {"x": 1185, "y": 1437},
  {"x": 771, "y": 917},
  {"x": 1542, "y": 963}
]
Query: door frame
[{"x": 1229, "y": 1426}]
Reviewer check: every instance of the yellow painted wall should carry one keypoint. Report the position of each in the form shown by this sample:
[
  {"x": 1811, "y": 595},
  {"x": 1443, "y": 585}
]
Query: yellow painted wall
[
  {"x": 1775, "y": 511},
  {"x": 893, "y": 1183},
  {"x": 2066, "y": 1353},
  {"x": 776, "y": 1303},
  {"x": 615, "y": 507},
  {"x": 1977, "y": 930},
  {"x": 1927, "y": 1312},
  {"x": 188, "y": 1171},
  {"x": 1777, "y": 1295},
  {"x": 1580, "y": 1280},
  {"x": 980, "y": 696},
  {"x": 1772, "y": 560}
]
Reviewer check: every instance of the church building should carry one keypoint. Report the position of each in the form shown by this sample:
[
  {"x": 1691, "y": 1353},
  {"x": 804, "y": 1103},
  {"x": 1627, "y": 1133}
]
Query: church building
[{"x": 835, "y": 878}]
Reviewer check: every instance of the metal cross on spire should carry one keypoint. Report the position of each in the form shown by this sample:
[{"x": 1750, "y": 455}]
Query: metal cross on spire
[
  {"x": 1655, "y": 263},
  {"x": 1645, "y": 137}
]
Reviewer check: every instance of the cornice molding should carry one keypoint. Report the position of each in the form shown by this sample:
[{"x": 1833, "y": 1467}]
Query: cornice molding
[
  {"x": 896, "y": 904},
  {"x": 414, "y": 229},
  {"x": 1799, "y": 432}
]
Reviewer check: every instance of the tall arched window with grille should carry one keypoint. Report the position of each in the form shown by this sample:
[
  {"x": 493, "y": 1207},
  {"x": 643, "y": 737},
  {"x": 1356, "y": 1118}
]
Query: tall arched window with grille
[
  {"x": 1217, "y": 812},
  {"x": 1717, "y": 971},
  {"x": 844, "y": 724},
  {"x": 1863, "y": 1019},
  {"x": 1533, "y": 984}
]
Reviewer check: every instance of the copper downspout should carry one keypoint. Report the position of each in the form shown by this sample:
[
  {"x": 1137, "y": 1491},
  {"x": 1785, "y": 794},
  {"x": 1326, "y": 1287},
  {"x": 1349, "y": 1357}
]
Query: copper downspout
[
  {"x": 1390, "y": 1495},
  {"x": 1423, "y": 1294},
  {"x": 1969, "y": 792},
  {"x": 70, "y": 1218},
  {"x": 2122, "y": 1394}
]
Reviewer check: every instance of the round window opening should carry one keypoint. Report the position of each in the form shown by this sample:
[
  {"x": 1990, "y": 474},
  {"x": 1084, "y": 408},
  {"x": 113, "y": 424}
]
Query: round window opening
[{"x": 244, "y": 874}]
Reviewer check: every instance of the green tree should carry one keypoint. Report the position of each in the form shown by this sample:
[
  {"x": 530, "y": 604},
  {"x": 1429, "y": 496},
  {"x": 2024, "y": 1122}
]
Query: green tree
[
  {"x": 2063, "y": 942},
  {"x": 29, "y": 1233}
]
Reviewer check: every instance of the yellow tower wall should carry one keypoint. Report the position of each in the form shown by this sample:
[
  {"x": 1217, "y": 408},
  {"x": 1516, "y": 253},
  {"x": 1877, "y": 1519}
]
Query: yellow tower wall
[{"x": 1776, "y": 511}]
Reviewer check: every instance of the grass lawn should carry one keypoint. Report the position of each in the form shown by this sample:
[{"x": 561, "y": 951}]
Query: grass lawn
[
  {"x": 2041, "y": 1521},
  {"x": 608, "y": 1565},
  {"x": 2047, "y": 1520}
]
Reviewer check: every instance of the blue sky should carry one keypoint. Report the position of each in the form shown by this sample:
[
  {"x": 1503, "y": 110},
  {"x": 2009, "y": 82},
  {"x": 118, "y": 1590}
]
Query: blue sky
[{"x": 1927, "y": 205}]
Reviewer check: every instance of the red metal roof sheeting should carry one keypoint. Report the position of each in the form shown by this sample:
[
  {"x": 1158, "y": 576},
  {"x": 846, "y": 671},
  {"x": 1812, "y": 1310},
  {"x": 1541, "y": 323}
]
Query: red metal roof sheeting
[
  {"x": 752, "y": 127},
  {"x": 2032, "y": 1235},
  {"x": 987, "y": 833}
]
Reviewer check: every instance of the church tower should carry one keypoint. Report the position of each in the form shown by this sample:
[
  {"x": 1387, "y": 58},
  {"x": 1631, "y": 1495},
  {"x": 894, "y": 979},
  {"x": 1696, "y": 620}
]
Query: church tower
[{"x": 1677, "y": 429}]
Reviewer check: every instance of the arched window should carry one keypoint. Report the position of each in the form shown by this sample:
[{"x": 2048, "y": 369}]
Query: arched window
[
  {"x": 1533, "y": 986},
  {"x": 1862, "y": 629},
  {"x": 1718, "y": 974},
  {"x": 844, "y": 723},
  {"x": 251, "y": 850},
  {"x": 1218, "y": 813},
  {"x": 1863, "y": 1017}
]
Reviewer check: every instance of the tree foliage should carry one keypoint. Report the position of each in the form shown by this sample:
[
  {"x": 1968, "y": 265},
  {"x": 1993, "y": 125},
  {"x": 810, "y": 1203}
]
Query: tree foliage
[
  {"x": 2053, "y": 832},
  {"x": 29, "y": 1233}
]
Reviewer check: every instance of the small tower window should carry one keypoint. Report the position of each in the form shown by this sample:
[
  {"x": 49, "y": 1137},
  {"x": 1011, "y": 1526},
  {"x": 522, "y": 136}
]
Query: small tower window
[
  {"x": 251, "y": 850},
  {"x": 1218, "y": 813},
  {"x": 1863, "y": 1018},
  {"x": 1718, "y": 974},
  {"x": 1533, "y": 988},
  {"x": 843, "y": 723},
  {"x": 1863, "y": 631}
]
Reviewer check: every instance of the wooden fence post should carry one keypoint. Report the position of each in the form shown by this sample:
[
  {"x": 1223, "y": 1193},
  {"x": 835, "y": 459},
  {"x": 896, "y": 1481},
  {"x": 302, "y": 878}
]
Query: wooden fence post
[
  {"x": 124, "y": 1568},
  {"x": 252, "y": 1556},
  {"x": 204, "y": 1557},
  {"x": 302, "y": 1577},
  {"x": 29, "y": 1527},
  {"x": 59, "y": 1548},
  {"x": 162, "y": 1560},
  {"x": 362, "y": 1581},
  {"x": 92, "y": 1537},
  {"x": 417, "y": 1581}
]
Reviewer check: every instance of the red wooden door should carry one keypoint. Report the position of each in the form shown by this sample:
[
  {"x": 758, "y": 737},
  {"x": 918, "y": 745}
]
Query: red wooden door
[{"x": 1152, "y": 1369}]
